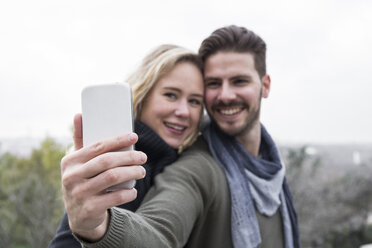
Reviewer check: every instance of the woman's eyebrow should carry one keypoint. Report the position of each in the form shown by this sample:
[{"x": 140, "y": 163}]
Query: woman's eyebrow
[
  {"x": 197, "y": 95},
  {"x": 179, "y": 90},
  {"x": 172, "y": 88}
]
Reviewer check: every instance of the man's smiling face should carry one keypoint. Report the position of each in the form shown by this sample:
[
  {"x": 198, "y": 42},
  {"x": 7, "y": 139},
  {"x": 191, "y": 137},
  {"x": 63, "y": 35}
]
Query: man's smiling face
[{"x": 233, "y": 91}]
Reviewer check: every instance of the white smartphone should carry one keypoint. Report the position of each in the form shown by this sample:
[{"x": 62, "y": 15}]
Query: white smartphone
[{"x": 107, "y": 112}]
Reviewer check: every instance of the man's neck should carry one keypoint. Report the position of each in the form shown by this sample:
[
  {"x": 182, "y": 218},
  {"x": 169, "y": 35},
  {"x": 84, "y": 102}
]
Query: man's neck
[{"x": 251, "y": 140}]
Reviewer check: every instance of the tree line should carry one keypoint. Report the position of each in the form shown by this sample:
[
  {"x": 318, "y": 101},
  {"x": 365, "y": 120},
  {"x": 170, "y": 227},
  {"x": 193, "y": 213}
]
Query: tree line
[{"x": 332, "y": 213}]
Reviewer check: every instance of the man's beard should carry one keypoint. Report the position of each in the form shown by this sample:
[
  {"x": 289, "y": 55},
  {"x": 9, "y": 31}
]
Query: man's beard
[{"x": 250, "y": 121}]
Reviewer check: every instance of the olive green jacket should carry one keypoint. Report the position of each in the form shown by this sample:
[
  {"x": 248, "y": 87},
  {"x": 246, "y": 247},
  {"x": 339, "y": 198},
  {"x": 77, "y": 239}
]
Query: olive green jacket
[{"x": 189, "y": 206}]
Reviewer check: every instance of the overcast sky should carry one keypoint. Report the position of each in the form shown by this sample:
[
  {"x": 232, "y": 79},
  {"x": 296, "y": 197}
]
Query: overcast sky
[{"x": 319, "y": 59}]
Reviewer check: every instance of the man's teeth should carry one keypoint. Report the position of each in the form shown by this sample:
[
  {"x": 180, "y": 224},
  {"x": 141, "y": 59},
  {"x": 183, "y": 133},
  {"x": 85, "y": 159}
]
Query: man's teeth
[
  {"x": 230, "y": 111},
  {"x": 179, "y": 128}
]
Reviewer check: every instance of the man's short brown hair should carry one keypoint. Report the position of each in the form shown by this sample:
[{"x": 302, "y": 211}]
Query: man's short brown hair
[{"x": 236, "y": 39}]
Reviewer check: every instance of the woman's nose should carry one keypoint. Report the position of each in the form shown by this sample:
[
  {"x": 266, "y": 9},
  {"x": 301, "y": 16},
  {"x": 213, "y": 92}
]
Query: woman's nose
[{"x": 182, "y": 109}]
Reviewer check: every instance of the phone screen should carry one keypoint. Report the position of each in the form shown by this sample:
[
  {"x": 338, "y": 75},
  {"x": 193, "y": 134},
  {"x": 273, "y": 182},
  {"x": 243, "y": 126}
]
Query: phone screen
[{"x": 107, "y": 112}]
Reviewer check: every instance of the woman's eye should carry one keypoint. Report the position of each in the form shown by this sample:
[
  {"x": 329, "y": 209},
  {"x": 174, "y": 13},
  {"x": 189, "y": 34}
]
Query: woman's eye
[
  {"x": 170, "y": 95},
  {"x": 195, "y": 102}
]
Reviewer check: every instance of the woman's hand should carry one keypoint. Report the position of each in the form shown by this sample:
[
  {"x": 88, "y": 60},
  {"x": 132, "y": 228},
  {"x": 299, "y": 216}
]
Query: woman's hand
[{"x": 89, "y": 171}]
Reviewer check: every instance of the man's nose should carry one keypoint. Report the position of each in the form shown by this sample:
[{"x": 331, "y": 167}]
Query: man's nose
[{"x": 226, "y": 94}]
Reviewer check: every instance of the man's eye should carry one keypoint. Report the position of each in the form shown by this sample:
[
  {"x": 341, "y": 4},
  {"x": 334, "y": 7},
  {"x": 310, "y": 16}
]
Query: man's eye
[
  {"x": 240, "y": 81},
  {"x": 212, "y": 84}
]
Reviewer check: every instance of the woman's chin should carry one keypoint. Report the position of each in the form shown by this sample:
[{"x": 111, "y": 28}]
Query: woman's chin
[{"x": 174, "y": 143}]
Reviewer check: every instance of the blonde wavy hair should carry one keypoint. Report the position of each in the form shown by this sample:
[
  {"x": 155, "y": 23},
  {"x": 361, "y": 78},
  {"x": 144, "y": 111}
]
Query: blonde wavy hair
[{"x": 153, "y": 67}]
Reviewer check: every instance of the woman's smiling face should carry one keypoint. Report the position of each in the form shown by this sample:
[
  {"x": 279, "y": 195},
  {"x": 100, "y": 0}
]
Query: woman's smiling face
[{"x": 173, "y": 107}]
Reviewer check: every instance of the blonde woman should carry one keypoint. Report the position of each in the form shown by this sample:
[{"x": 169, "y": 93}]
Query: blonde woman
[{"x": 167, "y": 105}]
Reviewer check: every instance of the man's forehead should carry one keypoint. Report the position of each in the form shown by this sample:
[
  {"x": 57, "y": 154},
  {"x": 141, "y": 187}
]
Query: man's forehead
[{"x": 229, "y": 64}]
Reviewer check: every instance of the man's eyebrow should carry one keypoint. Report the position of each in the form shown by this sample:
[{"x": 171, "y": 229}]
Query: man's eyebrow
[
  {"x": 240, "y": 76},
  {"x": 211, "y": 78}
]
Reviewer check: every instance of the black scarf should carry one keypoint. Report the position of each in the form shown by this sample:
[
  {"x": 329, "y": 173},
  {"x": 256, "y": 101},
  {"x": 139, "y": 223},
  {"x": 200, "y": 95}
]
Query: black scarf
[{"x": 159, "y": 154}]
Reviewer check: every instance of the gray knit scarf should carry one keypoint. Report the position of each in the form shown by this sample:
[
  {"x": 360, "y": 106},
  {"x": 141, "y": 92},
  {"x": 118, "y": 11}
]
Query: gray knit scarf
[{"x": 253, "y": 180}]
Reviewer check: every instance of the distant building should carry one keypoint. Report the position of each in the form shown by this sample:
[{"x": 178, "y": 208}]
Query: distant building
[
  {"x": 366, "y": 246},
  {"x": 311, "y": 150},
  {"x": 369, "y": 219},
  {"x": 356, "y": 158}
]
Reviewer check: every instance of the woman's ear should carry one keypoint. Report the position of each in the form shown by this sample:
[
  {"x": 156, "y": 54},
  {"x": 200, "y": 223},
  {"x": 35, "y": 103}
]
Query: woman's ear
[{"x": 266, "y": 83}]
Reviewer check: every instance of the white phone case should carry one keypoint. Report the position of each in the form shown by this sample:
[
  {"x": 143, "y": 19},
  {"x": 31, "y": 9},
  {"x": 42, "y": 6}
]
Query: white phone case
[{"x": 107, "y": 112}]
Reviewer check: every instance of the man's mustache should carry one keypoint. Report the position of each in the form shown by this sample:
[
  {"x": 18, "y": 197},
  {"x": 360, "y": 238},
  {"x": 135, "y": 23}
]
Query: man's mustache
[{"x": 220, "y": 104}]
